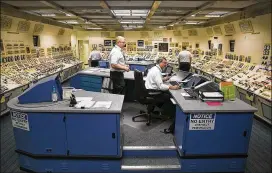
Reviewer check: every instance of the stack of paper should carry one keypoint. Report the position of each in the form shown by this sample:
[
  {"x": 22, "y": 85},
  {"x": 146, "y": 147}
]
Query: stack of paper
[
  {"x": 79, "y": 99},
  {"x": 102, "y": 104},
  {"x": 84, "y": 104},
  {"x": 212, "y": 94}
]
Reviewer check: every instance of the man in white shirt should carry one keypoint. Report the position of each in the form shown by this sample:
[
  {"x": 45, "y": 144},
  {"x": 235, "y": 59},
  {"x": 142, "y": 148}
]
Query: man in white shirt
[
  {"x": 94, "y": 57},
  {"x": 154, "y": 79},
  {"x": 118, "y": 66},
  {"x": 185, "y": 59}
]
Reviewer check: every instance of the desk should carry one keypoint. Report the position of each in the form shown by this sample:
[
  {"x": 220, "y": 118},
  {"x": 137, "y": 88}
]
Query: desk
[
  {"x": 91, "y": 140},
  {"x": 215, "y": 137},
  {"x": 92, "y": 79},
  {"x": 56, "y": 131}
]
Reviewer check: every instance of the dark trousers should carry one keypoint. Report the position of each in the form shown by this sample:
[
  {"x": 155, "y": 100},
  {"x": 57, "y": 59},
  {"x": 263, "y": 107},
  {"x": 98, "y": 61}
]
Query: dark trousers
[
  {"x": 165, "y": 103},
  {"x": 118, "y": 82},
  {"x": 184, "y": 66},
  {"x": 94, "y": 63}
]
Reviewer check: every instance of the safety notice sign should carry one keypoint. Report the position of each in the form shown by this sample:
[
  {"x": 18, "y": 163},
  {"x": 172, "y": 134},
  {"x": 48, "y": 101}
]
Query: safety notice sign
[
  {"x": 20, "y": 120},
  {"x": 202, "y": 121}
]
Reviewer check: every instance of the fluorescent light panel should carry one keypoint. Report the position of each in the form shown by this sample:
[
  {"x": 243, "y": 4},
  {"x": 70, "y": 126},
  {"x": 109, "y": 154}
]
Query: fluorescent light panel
[
  {"x": 219, "y": 12},
  {"x": 212, "y": 15},
  {"x": 94, "y": 28},
  {"x": 192, "y": 23},
  {"x": 131, "y": 21},
  {"x": 48, "y": 15},
  {"x": 141, "y": 13},
  {"x": 71, "y": 22}
]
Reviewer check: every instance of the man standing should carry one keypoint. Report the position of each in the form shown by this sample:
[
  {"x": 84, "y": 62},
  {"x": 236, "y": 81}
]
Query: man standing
[
  {"x": 118, "y": 66},
  {"x": 94, "y": 57},
  {"x": 185, "y": 59}
]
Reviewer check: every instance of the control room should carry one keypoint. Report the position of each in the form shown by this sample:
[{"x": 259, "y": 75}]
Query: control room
[{"x": 136, "y": 86}]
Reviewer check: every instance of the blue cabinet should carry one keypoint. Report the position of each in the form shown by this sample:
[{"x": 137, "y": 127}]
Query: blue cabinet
[
  {"x": 46, "y": 135},
  {"x": 70, "y": 135},
  {"x": 87, "y": 82},
  {"x": 230, "y": 135},
  {"x": 93, "y": 134}
]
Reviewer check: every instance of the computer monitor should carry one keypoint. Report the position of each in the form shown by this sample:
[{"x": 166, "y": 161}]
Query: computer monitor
[
  {"x": 194, "y": 81},
  {"x": 163, "y": 47},
  {"x": 168, "y": 70}
]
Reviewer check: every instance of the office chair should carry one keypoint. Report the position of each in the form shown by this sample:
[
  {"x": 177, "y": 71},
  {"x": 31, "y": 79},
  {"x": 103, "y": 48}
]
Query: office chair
[{"x": 145, "y": 97}]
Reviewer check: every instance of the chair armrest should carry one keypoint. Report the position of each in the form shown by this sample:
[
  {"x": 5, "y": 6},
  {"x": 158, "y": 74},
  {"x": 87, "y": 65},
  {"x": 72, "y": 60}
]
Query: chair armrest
[{"x": 153, "y": 92}]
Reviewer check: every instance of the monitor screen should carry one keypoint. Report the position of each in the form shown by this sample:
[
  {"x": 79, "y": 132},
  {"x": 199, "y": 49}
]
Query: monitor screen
[
  {"x": 232, "y": 45},
  {"x": 194, "y": 81},
  {"x": 168, "y": 69},
  {"x": 107, "y": 42},
  {"x": 163, "y": 47},
  {"x": 36, "y": 41}
]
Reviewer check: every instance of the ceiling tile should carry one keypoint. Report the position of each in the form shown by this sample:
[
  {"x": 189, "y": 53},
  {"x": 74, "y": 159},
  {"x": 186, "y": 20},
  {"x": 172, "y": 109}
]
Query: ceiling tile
[
  {"x": 130, "y": 3},
  {"x": 233, "y": 4},
  {"x": 181, "y": 3},
  {"x": 25, "y": 3},
  {"x": 78, "y": 3}
]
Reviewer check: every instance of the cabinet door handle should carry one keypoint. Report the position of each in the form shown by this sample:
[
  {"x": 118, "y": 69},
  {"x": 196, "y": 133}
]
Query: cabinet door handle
[
  {"x": 113, "y": 135},
  {"x": 245, "y": 133}
]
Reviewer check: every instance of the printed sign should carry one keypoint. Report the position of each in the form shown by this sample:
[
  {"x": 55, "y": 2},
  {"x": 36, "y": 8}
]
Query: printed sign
[
  {"x": 20, "y": 120},
  {"x": 202, "y": 121}
]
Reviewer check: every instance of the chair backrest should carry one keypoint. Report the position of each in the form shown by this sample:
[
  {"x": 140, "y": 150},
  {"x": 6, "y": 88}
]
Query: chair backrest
[{"x": 139, "y": 86}]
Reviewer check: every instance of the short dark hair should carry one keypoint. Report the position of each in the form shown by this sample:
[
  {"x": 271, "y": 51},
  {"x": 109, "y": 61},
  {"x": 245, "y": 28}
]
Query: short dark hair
[
  {"x": 183, "y": 47},
  {"x": 160, "y": 59}
]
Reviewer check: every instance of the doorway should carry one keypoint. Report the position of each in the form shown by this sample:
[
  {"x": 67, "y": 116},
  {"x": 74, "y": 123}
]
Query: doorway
[{"x": 83, "y": 49}]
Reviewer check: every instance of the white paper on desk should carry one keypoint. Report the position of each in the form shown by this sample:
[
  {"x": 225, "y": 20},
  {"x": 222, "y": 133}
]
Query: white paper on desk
[
  {"x": 102, "y": 104},
  {"x": 85, "y": 104},
  {"x": 185, "y": 94},
  {"x": 105, "y": 70},
  {"x": 184, "y": 81},
  {"x": 79, "y": 99},
  {"x": 175, "y": 78},
  {"x": 92, "y": 70}
]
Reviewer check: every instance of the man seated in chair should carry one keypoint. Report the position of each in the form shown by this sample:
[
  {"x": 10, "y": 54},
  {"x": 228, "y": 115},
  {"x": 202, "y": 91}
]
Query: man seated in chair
[{"x": 154, "y": 81}]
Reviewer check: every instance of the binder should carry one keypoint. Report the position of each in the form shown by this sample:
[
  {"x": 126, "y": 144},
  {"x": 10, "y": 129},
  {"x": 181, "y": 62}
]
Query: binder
[{"x": 217, "y": 96}]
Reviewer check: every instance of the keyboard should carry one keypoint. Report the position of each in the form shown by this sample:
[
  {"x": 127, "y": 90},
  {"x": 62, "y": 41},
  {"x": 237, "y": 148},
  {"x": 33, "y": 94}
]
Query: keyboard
[
  {"x": 174, "y": 83},
  {"x": 191, "y": 92}
]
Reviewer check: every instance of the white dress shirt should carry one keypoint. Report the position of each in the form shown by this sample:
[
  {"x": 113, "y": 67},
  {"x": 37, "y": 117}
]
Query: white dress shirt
[
  {"x": 116, "y": 57},
  {"x": 95, "y": 55},
  {"x": 184, "y": 56},
  {"x": 154, "y": 79}
]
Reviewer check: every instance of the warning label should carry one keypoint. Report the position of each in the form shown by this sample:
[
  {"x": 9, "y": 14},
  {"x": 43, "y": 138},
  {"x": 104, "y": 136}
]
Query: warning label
[
  {"x": 20, "y": 120},
  {"x": 200, "y": 121}
]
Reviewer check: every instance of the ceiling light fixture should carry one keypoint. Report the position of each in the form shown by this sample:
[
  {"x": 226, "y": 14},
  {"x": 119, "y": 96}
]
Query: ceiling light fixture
[
  {"x": 72, "y": 22},
  {"x": 212, "y": 15},
  {"x": 48, "y": 15},
  {"x": 192, "y": 23},
  {"x": 94, "y": 28}
]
